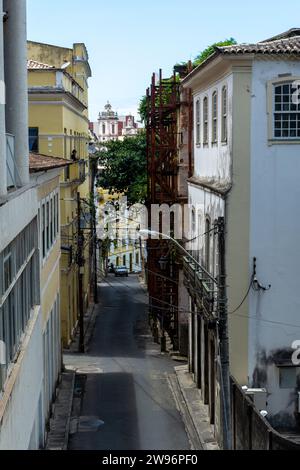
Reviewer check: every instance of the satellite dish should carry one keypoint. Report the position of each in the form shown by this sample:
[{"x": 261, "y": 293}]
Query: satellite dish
[{"x": 65, "y": 65}]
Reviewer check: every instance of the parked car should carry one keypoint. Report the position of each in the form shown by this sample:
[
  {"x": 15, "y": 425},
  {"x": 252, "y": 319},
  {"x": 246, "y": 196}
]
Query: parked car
[{"x": 121, "y": 271}]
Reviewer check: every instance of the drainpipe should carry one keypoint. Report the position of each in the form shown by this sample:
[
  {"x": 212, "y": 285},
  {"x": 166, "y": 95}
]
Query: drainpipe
[
  {"x": 3, "y": 179},
  {"x": 15, "y": 56}
]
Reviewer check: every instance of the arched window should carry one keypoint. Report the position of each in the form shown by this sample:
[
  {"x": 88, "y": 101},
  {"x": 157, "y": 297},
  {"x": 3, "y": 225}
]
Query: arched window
[
  {"x": 205, "y": 120},
  {"x": 198, "y": 123},
  {"x": 224, "y": 114},
  {"x": 215, "y": 117}
]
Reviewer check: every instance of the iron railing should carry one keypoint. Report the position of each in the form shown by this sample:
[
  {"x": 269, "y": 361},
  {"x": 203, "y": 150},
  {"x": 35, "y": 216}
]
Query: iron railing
[{"x": 202, "y": 287}]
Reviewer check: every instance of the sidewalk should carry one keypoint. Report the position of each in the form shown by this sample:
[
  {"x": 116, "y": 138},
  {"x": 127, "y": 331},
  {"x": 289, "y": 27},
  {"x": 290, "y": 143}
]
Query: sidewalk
[
  {"x": 60, "y": 421},
  {"x": 194, "y": 412}
]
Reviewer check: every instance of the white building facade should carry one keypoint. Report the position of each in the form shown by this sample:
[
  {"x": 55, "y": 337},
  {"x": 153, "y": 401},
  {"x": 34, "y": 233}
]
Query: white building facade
[
  {"x": 110, "y": 126},
  {"x": 246, "y": 159},
  {"x": 21, "y": 362},
  {"x": 106, "y": 128}
]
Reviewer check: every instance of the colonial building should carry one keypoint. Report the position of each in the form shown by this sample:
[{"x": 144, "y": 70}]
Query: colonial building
[
  {"x": 45, "y": 176},
  {"x": 21, "y": 323},
  {"x": 107, "y": 127},
  {"x": 112, "y": 127},
  {"x": 242, "y": 195},
  {"x": 59, "y": 127}
]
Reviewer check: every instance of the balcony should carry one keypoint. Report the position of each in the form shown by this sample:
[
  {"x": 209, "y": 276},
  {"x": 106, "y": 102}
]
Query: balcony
[
  {"x": 13, "y": 178},
  {"x": 76, "y": 173},
  {"x": 202, "y": 287}
]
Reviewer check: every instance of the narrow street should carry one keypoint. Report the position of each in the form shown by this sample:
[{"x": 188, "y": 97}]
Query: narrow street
[{"x": 126, "y": 403}]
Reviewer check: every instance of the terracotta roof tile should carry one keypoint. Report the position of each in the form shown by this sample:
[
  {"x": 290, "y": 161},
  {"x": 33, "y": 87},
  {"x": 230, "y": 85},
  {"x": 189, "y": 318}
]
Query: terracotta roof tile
[
  {"x": 34, "y": 65},
  {"x": 38, "y": 162},
  {"x": 279, "y": 46}
]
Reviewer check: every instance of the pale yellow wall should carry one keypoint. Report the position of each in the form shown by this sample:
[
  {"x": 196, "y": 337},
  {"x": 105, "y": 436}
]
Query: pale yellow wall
[
  {"x": 50, "y": 269},
  {"x": 41, "y": 78},
  {"x": 238, "y": 225},
  {"x": 60, "y": 123},
  {"x": 49, "y": 54}
]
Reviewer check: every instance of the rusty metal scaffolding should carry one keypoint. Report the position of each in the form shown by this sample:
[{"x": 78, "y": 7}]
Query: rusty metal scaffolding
[{"x": 163, "y": 138}]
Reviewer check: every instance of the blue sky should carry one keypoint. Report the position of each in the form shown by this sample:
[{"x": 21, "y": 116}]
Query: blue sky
[{"x": 128, "y": 40}]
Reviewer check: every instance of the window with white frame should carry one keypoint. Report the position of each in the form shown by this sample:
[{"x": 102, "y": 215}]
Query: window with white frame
[
  {"x": 286, "y": 124},
  {"x": 49, "y": 223},
  {"x": 19, "y": 292},
  {"x": 224, "y": 114},
  {"x": 215, "y": 117},
  {"x": 198, "y": 123},
  {"x": 205, "y": 120}
]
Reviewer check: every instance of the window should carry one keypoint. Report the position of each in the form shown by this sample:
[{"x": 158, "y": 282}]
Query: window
[
  {"x": 205, "y": 120},
  {"x": 215, "y": 117},
  {"x": 193, "y": 222},
  {"x": 44, "y": 230},
  {"x": 49, "y": 223},
  {"x": 48, "y": 226},
  {"x": 7, "y": 268},
  {"x": 224, "y": 114},
  {"x": 207, "y": 244},
  {"x": 103, "y": 129},
  {"x": 198, "y": 123},
  {"x": 34, "y": 139},
  {"x": 57, "y": 214},
  {"x": 113, "y": 129},
  {"x": 286, "y": 113},
  {"x": 287, "y": 377},
  {"x": 19, "y": 274}
]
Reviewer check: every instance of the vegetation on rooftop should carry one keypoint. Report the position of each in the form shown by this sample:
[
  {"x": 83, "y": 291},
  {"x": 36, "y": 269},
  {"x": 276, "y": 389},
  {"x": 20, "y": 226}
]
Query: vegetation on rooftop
[{"x": 199, "y": 59}]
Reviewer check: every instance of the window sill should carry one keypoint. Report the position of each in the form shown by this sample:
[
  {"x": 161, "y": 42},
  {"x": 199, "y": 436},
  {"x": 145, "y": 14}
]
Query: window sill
[{"x": 283, "y": 142}]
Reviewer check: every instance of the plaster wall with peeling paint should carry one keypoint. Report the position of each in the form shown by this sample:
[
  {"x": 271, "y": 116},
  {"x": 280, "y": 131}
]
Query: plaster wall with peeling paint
[{"x": 274, "y": 240}]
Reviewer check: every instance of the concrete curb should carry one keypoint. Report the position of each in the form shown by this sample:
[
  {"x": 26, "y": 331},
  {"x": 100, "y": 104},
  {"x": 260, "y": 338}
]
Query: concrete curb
[
  {"x": 58, "y": 436},
  {"x": 194, "y": 412}
]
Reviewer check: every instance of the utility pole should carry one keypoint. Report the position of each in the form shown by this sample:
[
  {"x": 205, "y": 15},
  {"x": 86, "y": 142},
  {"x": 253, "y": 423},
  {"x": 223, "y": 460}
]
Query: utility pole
[
  {"x": 224, "y": 340},
  {"x": 80, "y": 264},
  {"x": 94, "y": 228}
]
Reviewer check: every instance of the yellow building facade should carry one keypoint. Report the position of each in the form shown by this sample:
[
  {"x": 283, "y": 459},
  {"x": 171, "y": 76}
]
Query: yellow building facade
[
  {"x": 45, "y": 175},
  {"x": 59, "y": 127}
]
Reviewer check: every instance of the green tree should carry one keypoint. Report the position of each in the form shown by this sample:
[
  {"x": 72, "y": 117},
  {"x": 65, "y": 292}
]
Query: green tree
[
  {"x": 125, "y": 168},
  {"x": 201, "y": 57}
]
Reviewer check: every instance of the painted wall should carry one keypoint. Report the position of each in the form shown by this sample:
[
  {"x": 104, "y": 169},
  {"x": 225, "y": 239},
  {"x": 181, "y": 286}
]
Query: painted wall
[
  {"x": 212, "y": 161},
  {"x": 23, "y": 412},
  {"x": 238, "y": 224},
  {"x": 64, "y": 126},
  {"x": 275, "y": 228},
  {"x": 16, "y": 214}
]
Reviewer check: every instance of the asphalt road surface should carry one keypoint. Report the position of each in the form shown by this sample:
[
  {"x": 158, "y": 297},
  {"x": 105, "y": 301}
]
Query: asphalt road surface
[{"x": 126, "y": 403}]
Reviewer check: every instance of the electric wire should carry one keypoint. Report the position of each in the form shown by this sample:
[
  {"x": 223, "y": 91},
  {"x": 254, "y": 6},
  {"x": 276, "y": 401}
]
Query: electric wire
[{"x": 275, "y": 323}]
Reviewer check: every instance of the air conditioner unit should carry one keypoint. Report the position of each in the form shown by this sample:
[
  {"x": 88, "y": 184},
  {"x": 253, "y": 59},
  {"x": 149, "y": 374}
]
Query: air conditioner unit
[{"x": 259, "y": 397}]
